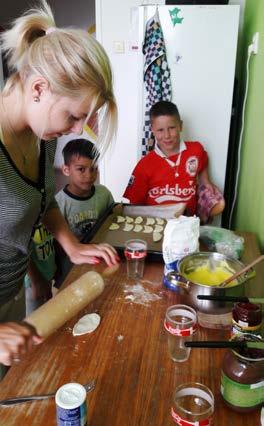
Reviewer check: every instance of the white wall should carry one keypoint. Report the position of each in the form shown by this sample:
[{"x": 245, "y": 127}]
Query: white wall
[
  {"x": 113, "y": 23},
  {"x": 78, "y": 13}
]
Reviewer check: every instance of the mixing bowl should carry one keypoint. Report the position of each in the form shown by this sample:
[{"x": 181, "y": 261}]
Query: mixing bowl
[{"x": 209, "y": 269}]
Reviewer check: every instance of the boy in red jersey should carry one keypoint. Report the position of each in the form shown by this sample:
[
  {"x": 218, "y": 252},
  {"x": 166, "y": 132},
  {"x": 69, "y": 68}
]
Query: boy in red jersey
[{"x": 172, "y": 171}]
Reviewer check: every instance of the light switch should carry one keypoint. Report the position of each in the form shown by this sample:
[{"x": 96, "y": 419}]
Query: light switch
[{"x": 119, "y": 47}]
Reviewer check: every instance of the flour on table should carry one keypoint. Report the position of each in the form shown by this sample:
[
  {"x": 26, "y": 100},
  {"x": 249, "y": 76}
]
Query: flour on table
[
  {"x": 138, "y": 294},
  {"x": 87, "y": 324}
]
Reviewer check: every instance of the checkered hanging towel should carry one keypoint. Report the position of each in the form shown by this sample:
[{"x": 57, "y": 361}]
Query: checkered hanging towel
[{"x": 156, "y": 74}]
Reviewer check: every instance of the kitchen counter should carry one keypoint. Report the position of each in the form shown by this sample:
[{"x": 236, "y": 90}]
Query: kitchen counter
[{"x": 127, "y": 355}]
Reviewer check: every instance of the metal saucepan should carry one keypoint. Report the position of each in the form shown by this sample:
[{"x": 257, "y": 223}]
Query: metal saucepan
[{"x": 189, "y": 290}]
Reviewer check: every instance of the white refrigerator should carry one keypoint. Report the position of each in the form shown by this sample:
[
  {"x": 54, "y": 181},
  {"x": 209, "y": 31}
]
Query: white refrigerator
[{"x": 201, "y": 53}]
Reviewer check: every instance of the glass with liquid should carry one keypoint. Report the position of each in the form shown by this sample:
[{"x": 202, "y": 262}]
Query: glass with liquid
[
  {"x": 193, "y": 404},
  {"x": 180, "y": 323}
]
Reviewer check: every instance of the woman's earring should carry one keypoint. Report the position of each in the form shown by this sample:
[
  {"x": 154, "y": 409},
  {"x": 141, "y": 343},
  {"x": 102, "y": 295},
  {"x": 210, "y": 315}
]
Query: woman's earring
[{"x": 36, "y": 99}]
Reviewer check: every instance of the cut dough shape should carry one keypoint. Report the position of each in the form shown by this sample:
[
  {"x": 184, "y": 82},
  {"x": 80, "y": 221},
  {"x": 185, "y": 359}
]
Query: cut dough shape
[
  {"x": 150, "y": 221},
  {"x": 147, "y": 229},
  {"x": 157, "y": 236},
  {"x": 139, "y": 219},
  {"x": 120, "y": 219},
  {"x": 113, "y": 226},
  {"x": 138, "y": 228},
  {"x": 158, "y": 228},
  {"x": 128, "y": 227},
  {"x": 160, "y": 221},
  {"x": 129, "y": 219},
  {"x": 87, "y": 324}
]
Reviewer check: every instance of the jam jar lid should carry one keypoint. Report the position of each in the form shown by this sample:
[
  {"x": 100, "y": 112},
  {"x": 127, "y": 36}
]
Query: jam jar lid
[
  {"x": 247, "y": 312},
  {"x": 248, "y": 354}
]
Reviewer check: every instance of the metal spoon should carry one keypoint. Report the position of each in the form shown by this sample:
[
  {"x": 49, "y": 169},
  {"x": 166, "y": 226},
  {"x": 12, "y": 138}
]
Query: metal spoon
[
  {"x": 212, "y": 264},
  {"x": 18, "y": 400}
]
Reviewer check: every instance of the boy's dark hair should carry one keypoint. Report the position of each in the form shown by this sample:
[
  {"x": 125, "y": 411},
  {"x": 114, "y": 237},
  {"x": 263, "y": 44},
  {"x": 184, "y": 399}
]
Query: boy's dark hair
[
  {"x": 164, "y": 108},
  {"x": 79, "y": 148}
]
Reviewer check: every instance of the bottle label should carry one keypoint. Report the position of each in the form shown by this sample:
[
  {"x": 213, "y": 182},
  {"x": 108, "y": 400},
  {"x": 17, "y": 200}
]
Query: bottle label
[
  {"x": 243, "y": 327},
  {"x": 76, "y": 416},
  {"x": 180, "y": 332},
  {"x": 137, "y": 254},
  {"x": 242, "y": 395},
  {"x": 180, "y": 421}
]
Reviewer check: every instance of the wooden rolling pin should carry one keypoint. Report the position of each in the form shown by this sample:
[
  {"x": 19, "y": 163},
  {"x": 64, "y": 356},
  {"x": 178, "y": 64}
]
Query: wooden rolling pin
[{"x": 67, "y": 303}]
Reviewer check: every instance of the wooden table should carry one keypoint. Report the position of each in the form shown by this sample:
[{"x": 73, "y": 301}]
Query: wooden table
[{"x": 128, "y": 357}]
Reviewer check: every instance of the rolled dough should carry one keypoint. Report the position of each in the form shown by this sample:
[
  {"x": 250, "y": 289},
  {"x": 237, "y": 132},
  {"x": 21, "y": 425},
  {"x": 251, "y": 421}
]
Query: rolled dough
[{"x": 87, "y": 324}]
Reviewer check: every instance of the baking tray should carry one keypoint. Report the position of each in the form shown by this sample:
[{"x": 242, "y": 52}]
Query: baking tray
[{"x": 117, "y": 238}]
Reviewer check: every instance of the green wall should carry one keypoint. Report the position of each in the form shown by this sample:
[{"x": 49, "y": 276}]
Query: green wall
[{"x": 249, "y": 212}]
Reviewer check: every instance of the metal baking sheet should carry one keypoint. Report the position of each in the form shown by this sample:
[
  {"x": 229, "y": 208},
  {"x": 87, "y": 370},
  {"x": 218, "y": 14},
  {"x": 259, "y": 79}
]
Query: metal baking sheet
[{"x": 117, "y": 238}]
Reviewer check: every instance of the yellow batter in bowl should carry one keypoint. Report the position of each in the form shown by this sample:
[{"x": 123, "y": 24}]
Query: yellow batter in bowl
[{"x": 204, "y": 275}]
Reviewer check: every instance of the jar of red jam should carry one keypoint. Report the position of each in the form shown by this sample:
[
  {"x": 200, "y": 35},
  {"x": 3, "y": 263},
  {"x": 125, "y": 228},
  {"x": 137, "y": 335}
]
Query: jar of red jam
[
  {"x": 242, "y": 378},
  {"x": 246, "y": 318}
]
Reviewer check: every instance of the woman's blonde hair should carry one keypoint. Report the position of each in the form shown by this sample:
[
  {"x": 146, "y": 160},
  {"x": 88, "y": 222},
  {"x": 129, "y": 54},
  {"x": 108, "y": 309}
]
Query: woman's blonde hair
[{"x": 71, "y": 60}]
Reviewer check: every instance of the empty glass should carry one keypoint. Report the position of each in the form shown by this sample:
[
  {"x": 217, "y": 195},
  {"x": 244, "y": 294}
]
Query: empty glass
[
  {"x": 193, "y": 404},
  {"x": 180, "y": 323},
  {"x": 135, "y": 253}
]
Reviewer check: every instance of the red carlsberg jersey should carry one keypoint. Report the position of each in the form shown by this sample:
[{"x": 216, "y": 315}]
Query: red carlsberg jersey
[{"x": 157, "y": 180}]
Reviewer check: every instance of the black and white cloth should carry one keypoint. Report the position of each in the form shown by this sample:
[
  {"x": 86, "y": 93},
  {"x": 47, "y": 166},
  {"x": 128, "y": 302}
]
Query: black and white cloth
[{"x": 156, "y": 73}]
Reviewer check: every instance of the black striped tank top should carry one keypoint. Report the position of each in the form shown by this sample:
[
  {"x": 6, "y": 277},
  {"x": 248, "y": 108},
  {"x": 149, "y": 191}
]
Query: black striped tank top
[{"x": 22, "y": 205}]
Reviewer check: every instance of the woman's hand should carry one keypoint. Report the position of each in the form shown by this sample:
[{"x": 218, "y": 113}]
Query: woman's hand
[
  {"x": 16, "y": 339},
  {"x": 92, "y": 253},
  {"x": 77, "y": 252}
]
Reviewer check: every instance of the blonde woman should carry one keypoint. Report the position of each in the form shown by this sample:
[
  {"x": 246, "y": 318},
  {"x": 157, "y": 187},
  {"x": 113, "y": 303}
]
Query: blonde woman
[{"x": 60, "y": 77}]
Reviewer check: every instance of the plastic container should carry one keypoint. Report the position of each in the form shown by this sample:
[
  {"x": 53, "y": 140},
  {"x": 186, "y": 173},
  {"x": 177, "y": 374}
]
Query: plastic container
[
  {"x": 242, "y": 378},
  {"x": 222, "y": 240},
  {"x": 71, "y": 405}
]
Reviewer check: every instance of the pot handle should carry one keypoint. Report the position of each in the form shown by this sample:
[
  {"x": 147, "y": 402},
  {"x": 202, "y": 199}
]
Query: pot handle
[{"x": 176, "y": 279}]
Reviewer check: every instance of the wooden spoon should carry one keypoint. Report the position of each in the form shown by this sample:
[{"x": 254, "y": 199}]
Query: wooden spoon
[{"x": 237, "y": 274}]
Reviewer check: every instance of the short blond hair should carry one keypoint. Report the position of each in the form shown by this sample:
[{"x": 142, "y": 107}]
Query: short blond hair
[{"x": 71, "y": 60}]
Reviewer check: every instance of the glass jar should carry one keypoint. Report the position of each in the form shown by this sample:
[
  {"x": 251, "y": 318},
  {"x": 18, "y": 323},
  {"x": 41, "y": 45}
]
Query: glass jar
[
  {"x": 246, "y": 318},
  {"x": 242, "y": 378}
]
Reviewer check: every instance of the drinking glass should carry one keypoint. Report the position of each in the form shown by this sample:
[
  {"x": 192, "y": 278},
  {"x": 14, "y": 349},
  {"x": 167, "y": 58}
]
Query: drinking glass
[
  {"x": 135, "y": 253},
  {"x": 193, "y": 404},
  {"x": 180, "y": 323}
]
